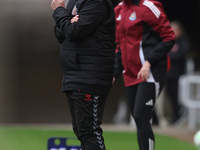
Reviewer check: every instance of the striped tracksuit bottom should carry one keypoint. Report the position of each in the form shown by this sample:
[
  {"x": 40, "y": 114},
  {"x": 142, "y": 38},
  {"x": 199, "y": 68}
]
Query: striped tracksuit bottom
[{"x": 87, "y": 114}]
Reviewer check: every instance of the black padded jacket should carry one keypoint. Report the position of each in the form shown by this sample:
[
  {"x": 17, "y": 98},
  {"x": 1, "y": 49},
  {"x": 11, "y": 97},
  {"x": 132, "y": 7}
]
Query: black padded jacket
[{"x": 88, "y": 46}]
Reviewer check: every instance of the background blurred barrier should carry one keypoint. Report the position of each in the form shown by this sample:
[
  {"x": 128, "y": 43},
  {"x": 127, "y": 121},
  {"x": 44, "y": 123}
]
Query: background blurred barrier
[{"x": 189, "y": 96}]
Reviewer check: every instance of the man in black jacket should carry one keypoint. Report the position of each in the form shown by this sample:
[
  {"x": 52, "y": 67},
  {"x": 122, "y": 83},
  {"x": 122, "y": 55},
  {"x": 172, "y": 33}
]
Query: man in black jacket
[{"x": 86, "y": 30}]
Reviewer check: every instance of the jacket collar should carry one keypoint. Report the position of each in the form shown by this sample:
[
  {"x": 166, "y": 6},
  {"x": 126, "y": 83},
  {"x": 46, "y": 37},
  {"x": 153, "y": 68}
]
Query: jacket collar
[{"x": 129, "y": 2}]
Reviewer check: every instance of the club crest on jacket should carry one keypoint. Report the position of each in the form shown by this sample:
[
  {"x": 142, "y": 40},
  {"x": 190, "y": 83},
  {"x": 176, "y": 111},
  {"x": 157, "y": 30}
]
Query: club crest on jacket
[
  {"x": 132, "y": 16},
  {"x": 74, "y": 10}
]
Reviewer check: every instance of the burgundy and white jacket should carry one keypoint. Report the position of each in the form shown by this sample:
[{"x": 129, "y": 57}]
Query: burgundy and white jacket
[{"x": 142, "y": 33}]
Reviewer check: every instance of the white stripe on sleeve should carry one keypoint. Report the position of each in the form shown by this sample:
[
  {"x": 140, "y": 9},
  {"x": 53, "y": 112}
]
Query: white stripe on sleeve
[{"x": 152, "y": 7}]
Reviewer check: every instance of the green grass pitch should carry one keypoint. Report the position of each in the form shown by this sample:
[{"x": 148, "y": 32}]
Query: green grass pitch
[{"x": 35, "y": 138}]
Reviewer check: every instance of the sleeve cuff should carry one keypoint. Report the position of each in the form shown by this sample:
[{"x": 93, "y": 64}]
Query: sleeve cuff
[{"x": 59, "y": 12}]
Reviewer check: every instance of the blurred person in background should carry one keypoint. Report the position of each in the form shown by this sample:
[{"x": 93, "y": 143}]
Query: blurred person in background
[
  {"x": 177, "y": 67},
  {"x": 144, "y": 38},
  {"x": 86, "y": 30}
]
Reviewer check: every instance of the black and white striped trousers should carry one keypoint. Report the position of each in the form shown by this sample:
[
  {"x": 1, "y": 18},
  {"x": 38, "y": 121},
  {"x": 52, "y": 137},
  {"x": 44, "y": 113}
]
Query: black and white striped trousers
[{"x": 87, "y": 114}]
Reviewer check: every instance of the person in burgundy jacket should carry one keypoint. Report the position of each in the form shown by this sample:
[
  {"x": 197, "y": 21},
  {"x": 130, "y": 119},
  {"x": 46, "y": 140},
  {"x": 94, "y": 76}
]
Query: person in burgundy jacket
[{"x": 144, "y": 37}]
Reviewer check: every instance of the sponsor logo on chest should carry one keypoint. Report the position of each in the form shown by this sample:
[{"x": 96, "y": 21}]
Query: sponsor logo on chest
[{"x": 119, "y": 17}]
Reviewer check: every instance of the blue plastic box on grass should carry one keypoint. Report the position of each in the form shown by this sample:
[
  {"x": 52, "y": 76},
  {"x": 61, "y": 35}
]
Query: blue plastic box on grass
[{"x": 62, "y": 143}]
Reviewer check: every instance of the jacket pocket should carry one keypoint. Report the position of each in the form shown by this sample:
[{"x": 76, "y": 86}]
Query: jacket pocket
[{"x": 68, "y": 60}]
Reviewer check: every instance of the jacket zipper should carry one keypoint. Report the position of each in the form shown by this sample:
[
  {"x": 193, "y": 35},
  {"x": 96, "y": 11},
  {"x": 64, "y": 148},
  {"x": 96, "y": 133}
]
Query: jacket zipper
[{"x": 124, "y": 30}]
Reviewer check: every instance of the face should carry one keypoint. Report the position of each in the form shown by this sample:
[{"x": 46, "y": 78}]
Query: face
[
  {"x": 177, "y": 30},
  {"x": 127, "y": 1}
]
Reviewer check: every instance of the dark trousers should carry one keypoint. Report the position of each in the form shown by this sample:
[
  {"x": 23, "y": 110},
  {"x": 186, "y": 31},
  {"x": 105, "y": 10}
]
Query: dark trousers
[
  {"x": 172, "y": 91},
  {"x": 87, "y": 114},
  {"x": 141, "y": 99}
]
